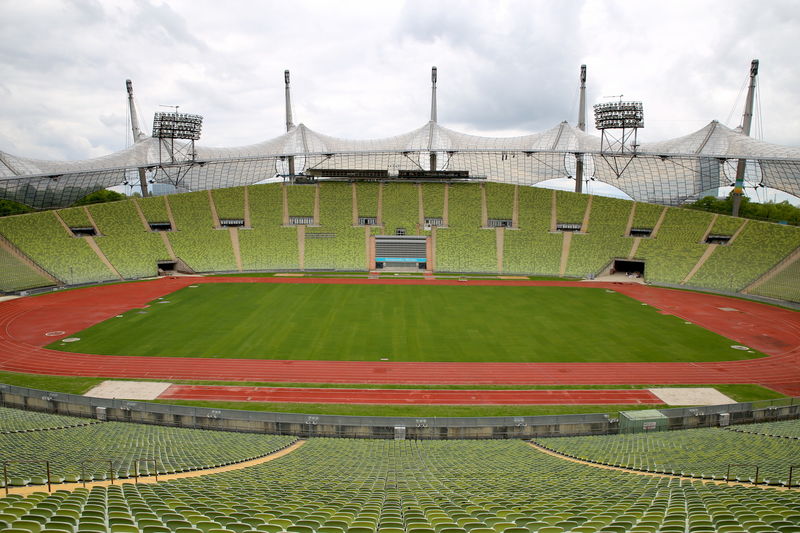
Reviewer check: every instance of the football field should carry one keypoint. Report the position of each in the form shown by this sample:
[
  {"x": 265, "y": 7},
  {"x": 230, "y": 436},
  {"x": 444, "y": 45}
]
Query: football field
[{"x": 403, "y": 323}]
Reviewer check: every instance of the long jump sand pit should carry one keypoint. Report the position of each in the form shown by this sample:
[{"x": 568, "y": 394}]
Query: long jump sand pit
[
  {"x": 691, "y": 396},
  {"x": 129, "y": 390}
]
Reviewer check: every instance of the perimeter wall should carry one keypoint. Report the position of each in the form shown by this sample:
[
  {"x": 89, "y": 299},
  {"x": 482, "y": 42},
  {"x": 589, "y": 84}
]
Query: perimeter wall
[{"x": 374, "y": 427}]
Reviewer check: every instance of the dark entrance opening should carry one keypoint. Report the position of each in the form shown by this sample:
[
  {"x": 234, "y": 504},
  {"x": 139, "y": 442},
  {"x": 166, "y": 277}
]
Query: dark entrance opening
[
  {"x": 167, "y": 268},
  {"x": 630, "y": 267},
  {"x": 83, "y": 232}
]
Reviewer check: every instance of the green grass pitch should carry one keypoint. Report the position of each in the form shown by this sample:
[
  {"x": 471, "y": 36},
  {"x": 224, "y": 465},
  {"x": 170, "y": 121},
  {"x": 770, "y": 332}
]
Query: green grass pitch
[{"x": 403, "y": 323}]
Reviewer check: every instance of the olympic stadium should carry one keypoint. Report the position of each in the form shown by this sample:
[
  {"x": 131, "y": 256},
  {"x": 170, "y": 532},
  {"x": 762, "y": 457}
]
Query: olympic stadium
[{"x": 312, "y": 334}]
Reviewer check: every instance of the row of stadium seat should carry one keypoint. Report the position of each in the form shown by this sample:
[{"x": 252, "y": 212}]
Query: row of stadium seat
[
  {"x": 357, "y": 486},
  {"x": 131, "y": 249},
  {"x": 499, "y": 201},
  {"x": 44, "y": 240},
  {"x": 464, "y": 246},
  {"x": 16, "y": 420},
  {"x": 786, "y": 428},
  {"x": 757, "y": 248},
  {"x": 18, "y": 275},
  {"x": 676, "y": 248},
  {"x": 346, "y": 249},
  {"x": 123, "y": 445},
  {"x": 533, "y": 248},
  {"x": 705, "y": 453},
  {"x": 782, "y": 286},
  {"x": 592, "y": 251},
  {"x": 570, "y": 207},
  {"x": 671, "y": 254}
]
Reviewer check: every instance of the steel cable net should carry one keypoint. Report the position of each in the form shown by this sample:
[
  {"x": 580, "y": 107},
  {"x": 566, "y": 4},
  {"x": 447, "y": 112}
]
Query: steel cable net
[{"x": 668, "y": 172}]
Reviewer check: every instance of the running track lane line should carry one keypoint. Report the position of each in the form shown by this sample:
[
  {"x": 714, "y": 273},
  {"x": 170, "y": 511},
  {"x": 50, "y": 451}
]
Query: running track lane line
[
  {"x": 410, "y": 396},
  {"x": 24, "y": 322}
]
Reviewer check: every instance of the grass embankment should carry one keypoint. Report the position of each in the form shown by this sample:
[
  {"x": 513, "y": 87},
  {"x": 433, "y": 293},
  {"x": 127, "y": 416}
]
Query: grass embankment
[{"x": 404, "y": 323}]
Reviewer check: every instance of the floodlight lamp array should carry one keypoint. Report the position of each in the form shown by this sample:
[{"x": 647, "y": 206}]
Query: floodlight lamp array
[
  {"x": 177, "y": 126},
  {"x": 617, "y": 115}
]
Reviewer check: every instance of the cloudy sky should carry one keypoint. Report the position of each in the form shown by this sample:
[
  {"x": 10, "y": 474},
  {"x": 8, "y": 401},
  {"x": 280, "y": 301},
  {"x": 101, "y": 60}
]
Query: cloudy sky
[{"x": 362, "y": 69}]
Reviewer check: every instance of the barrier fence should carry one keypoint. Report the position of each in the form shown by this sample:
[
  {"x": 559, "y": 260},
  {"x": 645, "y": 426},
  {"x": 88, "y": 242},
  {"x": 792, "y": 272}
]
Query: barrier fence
[{"x": 319, "y": 425}]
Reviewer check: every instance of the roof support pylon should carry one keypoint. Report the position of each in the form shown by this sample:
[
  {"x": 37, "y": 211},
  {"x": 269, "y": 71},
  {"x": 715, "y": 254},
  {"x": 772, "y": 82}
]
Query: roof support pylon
[
  {"x": 582, "y": 103},
  {"x": 138, "y": 135},
  {"x": 433, "y": 94},
  {"x": 289, "y": 124},
  {"x": 432, "y": 164},
  {"x": 747, "y": 118},
  {"x": 582, "y": 127}
]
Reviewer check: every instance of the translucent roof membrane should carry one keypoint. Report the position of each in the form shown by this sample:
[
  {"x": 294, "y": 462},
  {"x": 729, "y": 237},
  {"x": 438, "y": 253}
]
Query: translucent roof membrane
[{"x": 668, "y": 172}]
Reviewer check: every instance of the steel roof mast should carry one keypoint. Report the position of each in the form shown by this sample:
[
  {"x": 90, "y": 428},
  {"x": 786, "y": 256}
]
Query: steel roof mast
[
  {"x": 747, "y": 118},
  {"x": 582, "y": 127},
  {"x": 432, "y": 163},
  {"x": 289, "y": 124},
  {"x": 138, "y": 135}
]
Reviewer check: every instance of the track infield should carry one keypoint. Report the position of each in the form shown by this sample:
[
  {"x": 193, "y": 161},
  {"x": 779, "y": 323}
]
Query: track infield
[
  {"x": 25, "y": 324},
  {"x": 408, "y": 323}
]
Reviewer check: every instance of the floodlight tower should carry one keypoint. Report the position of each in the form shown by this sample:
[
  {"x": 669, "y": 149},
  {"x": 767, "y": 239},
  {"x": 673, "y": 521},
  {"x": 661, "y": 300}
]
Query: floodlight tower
[
  {"x": 619, "y": 124},
  {"x": 747, "y": 118},
  {"x": 170, "y": 126},
  {"x": 289, "y": 124},
  {"x": 433, "y": 116},
  {"x": 138, "y": 135},
  {"x": 582, "y": 127}
]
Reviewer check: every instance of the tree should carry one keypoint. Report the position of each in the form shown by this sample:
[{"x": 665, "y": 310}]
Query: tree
[
  {"x": 99, "y": 197},
  {"x": 10, "y": 207},
  {"x": 770, "y": 211}
]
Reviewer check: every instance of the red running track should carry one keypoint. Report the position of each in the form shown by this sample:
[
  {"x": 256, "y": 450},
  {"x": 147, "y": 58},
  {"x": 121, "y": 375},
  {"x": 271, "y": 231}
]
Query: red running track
[
  {"x": 411, "y": 396},
  {"x": 25, "y": 322}
]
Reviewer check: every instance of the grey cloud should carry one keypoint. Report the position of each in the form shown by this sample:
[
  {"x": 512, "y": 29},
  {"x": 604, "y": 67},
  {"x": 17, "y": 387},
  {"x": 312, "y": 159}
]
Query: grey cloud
[{"x": 361, "y": 69}]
